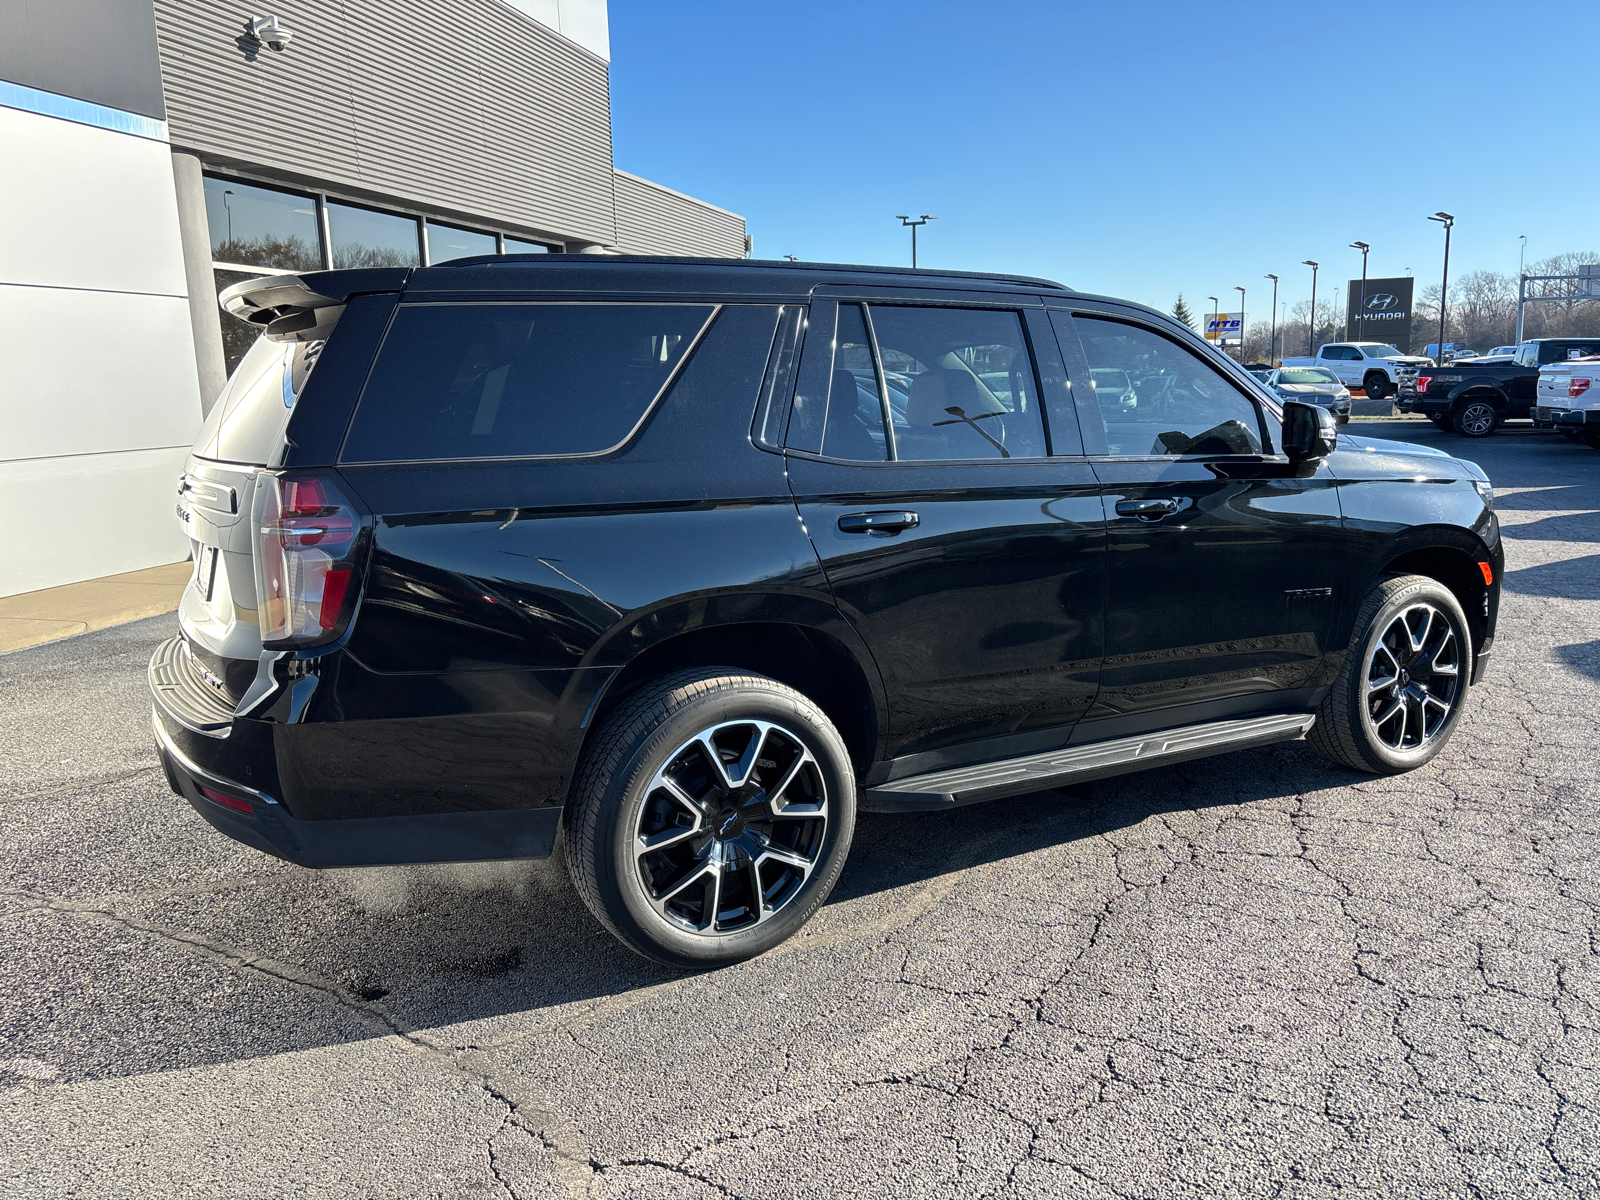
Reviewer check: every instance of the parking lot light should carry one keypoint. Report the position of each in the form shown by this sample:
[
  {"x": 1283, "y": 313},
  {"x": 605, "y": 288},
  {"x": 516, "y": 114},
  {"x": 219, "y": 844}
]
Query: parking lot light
[
  {"x": 1214, "y": 317},
  {"x": 913, "y": 225},
  {"x": 1311, "y": 323},
  {"x": 1448, "y": 221},
  {"x": 1361, "y": 314},
  {"x": 1240, "y": 290},
  {"x": 1272, "y": 347}
]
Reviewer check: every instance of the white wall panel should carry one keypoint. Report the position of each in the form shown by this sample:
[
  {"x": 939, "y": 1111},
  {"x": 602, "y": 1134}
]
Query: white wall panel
[
  {"x": 89, "y": 372},
  {"x": 85, "y": 207},
  {"x": 69, "y": 519}
]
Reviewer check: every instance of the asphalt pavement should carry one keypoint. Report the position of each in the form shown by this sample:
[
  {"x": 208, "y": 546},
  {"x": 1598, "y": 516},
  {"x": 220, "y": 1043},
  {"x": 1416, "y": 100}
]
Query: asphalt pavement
[{"x": 1251, "y": 976}]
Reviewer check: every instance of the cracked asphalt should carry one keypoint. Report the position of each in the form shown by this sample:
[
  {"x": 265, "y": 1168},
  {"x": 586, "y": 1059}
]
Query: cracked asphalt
[{"x": 1253, "y": 976}]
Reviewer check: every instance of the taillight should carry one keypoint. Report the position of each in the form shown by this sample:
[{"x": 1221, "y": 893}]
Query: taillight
[
  {"x": 1423, "y": 381},
  {"x": 308, "y": 540},
  {"x": 1577, "y": 387}
]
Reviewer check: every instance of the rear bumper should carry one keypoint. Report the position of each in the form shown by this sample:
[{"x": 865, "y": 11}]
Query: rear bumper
[
  {"x": 220, "y": 757},
  {"x": 1574, "y": 418}
]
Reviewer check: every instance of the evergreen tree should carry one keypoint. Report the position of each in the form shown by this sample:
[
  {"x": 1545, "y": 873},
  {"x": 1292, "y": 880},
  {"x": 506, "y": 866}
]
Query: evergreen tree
[{"x": 1181, "y": 311}]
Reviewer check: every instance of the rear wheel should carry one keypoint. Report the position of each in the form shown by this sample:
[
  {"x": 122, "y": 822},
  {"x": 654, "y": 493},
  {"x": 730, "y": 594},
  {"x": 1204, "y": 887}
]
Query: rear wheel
[
  {"x": 1399, "y": 694},
  {"x": 1475, "y": 417},
  {"x": 1591, "y": 438},
  {"x": 711, "y": 817},
  {"x": 1376, "y": 386}
]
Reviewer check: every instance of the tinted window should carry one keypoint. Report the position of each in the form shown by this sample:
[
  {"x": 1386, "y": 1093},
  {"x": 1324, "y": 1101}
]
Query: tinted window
[
  {"x": 513, "y": 380},
  {"x": 960, "y": 382},
  {"x": 262, "y": 227},
  {"x": 1178, "y": 404},
  {"x": 854, "y": 427},
  {"x": 365, "y": 238},
  {"x": 446, "y": 242}
]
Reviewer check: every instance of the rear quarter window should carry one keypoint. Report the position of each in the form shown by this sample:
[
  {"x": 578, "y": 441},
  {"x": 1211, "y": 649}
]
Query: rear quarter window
[{"x": 464, "y": 381}]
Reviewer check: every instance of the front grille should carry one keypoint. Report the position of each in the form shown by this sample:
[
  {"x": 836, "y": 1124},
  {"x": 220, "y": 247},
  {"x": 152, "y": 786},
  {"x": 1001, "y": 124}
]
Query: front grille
[{"x": 182, "y": 693}]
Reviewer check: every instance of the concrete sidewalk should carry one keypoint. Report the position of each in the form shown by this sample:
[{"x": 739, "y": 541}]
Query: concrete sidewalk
[{"x": 43, "y": 616}]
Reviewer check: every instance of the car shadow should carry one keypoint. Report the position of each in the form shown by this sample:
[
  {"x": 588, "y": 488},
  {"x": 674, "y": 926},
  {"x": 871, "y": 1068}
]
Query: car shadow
[
  {"x": 474, "y": 954},
  {"x": 1571, "y": 579},
  {"x": 1583, "y": 657}
]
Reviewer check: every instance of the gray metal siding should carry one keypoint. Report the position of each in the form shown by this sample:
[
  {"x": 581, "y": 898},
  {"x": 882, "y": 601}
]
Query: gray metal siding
[
  {"x": 652, "y": 219},
  {"x": 489, "y": 114},
  {"x": 102, "y": 51}
]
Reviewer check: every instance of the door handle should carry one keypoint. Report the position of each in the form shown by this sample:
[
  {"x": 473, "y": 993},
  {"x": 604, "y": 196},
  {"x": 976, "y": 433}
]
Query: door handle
[
  {"x": 879, "y": 524},
  {"x": 1147, "y": 510}
]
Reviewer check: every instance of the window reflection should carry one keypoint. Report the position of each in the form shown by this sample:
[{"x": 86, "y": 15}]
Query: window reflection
[
  {"x": 518, "y": 246},
  {"x": 261, "y": 227},
  {"x": 364, "y": 238},
  {"x": 447, "y": 241}
]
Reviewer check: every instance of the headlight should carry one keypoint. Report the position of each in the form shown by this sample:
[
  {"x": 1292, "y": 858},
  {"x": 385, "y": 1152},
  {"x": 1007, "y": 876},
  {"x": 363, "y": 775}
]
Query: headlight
[{"x": 1486, "y": 490}]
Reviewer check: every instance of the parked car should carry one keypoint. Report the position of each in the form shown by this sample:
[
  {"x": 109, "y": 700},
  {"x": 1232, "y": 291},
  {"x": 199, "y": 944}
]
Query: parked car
[
  {"x": 611, "y": 549},
  {"x": 1315, "y": 385},
  {"x": 1566, "y": 398},
  {"x": 1375, "y": 367},
  {"x": 1475, "y": 399},
  {"x": 1497, "y": 355},
  {"x": 1112, "y": 386}
]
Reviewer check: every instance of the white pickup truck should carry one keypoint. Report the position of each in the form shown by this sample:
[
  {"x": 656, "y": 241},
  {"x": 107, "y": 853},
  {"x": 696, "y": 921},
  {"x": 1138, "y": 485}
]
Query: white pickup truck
[
  {"x": 1375, "y": 367},
  {"x": 1568, "y": 399}
]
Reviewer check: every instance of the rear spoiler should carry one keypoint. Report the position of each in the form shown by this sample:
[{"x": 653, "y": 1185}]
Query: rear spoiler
[{"x": 304, "y": 308}]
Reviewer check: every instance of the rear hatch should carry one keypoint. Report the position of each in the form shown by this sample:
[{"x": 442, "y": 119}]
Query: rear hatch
[{"x": 244, "y": 431}]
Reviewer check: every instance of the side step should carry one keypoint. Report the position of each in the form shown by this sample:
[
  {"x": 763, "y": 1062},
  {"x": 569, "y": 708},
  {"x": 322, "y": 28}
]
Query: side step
[{"x": 1077, "y": 764}]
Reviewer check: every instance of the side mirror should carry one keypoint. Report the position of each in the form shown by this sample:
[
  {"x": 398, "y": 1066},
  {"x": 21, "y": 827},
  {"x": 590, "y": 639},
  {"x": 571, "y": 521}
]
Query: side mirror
[{"x": 1309, "y": 431}]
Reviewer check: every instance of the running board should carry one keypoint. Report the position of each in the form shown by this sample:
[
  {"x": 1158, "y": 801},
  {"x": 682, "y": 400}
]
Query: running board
[{"x": 1077, "y": 764}]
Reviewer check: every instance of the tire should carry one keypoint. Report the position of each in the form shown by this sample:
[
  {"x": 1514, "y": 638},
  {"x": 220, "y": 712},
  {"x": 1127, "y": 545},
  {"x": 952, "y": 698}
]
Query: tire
[
  {"x": 1376, "y": 387},
  {"x": 648, "y": 772},
  {"x": 1475, "y": 417},
  {"x": 1572, "y": 435},
  {"x": 1591, "y": 438},
  {"x": 1388, "y": 730}
]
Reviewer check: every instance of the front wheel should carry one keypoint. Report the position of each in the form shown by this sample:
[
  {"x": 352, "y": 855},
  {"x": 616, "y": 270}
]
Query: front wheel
[
  {"x": 1399, "y": 693},
  {"x": 1376, "y": 386},
  {"x": 710, "y": 817},
  {"x": 1475, "y": 418}
]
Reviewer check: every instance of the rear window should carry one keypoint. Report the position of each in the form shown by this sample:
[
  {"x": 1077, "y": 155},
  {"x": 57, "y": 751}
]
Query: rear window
[{"x": 458, "y": 381}]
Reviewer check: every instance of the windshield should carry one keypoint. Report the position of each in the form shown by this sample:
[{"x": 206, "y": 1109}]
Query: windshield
[
  {"x": 1307, "y": 375},
  {"x": 1376, "y": 351}
]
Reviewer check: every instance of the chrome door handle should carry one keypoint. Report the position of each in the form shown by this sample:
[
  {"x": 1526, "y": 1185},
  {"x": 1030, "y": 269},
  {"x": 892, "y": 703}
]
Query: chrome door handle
[
  {"x": 1148, "y": 510},
  {"x": 880, "y": 524}
]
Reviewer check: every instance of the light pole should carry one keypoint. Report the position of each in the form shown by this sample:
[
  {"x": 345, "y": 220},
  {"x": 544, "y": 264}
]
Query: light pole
[
  {"x": 912, "y": 225},
  {"x": 1214, "y": 321},
  {"x": 1449, "y": 223},
  {"x": 1240, "y": 290},
  {"x": 1362, "y": 318},
  {"x": 1522, "y": 253},
  {"x": 1311, "y": 325},
  {"x": 1272, "y": 348},
  {"x": 225, "y": 204}
]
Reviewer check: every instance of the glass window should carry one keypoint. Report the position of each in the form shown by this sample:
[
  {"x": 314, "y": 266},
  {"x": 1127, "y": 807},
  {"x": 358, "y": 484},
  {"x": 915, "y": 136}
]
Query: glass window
[
  {"x": 457, "y": 381},
  {"x": 262, "y": 227},
  {"x": 854, "y": 427},
  {"x": 961, "y": 383},
  {"x": 364, "y": 238},
  {"x": 1178, "y": 404},
  {"x": 518, "y": 246},
  {"x": 446, "y": 242}
]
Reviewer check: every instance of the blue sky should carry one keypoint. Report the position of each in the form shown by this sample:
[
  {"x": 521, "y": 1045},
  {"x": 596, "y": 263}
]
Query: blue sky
[{"x": 1136, "y": 149}]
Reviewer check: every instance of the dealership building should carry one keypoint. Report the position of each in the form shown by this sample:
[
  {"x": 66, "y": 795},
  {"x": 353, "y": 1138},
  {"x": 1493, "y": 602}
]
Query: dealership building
[{"x": 158, "y": 152}]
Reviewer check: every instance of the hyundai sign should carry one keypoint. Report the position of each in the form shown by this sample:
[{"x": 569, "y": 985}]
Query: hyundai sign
[{"x": 1384, "y": 315}]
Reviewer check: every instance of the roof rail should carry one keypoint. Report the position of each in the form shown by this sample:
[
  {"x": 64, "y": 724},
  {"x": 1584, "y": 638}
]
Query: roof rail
[{"x": 500, "y": 260}]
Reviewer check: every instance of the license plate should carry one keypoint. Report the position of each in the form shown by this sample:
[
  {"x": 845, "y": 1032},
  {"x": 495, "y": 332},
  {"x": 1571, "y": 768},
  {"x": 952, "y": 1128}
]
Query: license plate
[{"x": 205, "y": 571}]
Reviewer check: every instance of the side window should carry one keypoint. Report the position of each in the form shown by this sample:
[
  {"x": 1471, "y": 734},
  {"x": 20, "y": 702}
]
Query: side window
[
  {"x": 1173, "y": 403},
  {"x": 461, "y": 381},
  {"x": 854, "y": 428},
  {"x": 960, "y": 381}
]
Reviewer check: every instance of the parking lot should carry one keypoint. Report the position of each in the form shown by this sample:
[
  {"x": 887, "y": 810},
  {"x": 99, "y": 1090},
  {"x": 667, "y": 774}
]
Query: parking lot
[{"x": 1256, "y": 975}]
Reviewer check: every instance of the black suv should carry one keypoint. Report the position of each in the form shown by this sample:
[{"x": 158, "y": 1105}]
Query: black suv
[{"x": 686, "y": 561}]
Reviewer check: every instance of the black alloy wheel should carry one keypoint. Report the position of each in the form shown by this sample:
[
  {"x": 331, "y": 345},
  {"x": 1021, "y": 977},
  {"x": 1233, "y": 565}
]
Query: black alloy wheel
[
  {"x": 1375, "y": 386},
  {"x": 1475, "y": 417},
  {"x": 710, "y": 817},
  {"x": 1399, "y": 694}
]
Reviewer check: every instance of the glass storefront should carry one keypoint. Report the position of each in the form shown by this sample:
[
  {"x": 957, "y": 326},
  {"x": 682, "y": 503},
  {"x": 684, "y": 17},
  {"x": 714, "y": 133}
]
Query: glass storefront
[
  {"x": 363, "y": 237},
  {"x": 262, "y": 227},
  {"x": 447, "y": 241},
  {"x": 518, "y": 246}
]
